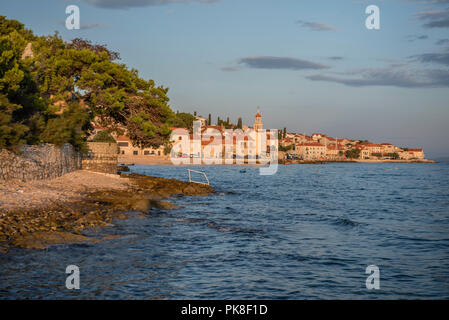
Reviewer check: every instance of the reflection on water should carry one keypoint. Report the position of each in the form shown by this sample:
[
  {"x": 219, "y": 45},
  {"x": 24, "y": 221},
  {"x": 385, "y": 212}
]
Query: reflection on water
[{"x": 301, "y": 233}]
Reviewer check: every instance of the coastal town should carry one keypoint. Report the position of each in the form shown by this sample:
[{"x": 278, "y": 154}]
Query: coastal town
[{"x": 292, "y": 147}]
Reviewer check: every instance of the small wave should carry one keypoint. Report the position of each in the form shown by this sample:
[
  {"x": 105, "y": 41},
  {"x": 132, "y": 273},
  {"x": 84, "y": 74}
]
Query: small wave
[
  {"x": 190, "y": 220},
  {"x": 215, "y": 226},
  {"x": 246, "y": 230},
  {"x": 346, "y": 222},
  {"x": 219, "y": 228}
]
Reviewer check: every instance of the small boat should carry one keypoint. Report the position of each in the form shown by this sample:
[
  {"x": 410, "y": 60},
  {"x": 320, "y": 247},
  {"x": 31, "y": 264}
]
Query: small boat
[
  {"x": 243, "y": 170},
  {"x": 287, "y": 163}
]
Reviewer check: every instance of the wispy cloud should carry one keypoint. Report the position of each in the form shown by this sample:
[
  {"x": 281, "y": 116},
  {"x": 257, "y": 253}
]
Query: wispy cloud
[
  {"x": 335, "y": 58},
  {"x": 230, "y": 69},
  {"x": 414, "y": 37},
  {"x": 442, "y": 41},
  {"x": 437, "y": 1},
  {"x": 436, "y": 18},
  {"x": 267, "y": 62},
  {"x": 393, "y": 78},
  {"x": 316, "y": 26},
  {"x": 439, "y": 58},
  {"x": 125, "y": 4}
]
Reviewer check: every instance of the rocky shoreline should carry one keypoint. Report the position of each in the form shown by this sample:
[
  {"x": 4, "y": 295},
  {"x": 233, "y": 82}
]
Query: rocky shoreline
[{"x": 38, "y": 214}]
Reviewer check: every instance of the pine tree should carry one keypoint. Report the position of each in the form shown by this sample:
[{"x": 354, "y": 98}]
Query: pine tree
[{"x": 86, "y": 80}]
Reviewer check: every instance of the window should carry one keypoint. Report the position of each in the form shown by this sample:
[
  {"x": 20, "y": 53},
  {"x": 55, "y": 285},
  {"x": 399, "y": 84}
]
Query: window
[
  {"x": 146, "y": 152},
  {"x": 123, "y": 151},
  {"x": 122, "y": 144},
  {"x": 135, "y": 153}
]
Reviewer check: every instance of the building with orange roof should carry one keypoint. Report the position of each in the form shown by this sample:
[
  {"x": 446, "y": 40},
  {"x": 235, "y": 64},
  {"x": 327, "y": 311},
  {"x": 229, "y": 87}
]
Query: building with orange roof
[
  {"x": 241, "y": 146},
  {"x": 412, "y": 154},
  {"x": 127, "y": 149},
  {"x": 310, "y": 151},
  {"x": 335, "y": 152}
]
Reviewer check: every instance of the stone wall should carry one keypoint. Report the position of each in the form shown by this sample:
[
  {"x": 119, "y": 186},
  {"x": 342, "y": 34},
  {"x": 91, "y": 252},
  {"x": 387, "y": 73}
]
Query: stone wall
[
  {"x": 44, "y": 161},
  {"x": 102, "y": 157}
]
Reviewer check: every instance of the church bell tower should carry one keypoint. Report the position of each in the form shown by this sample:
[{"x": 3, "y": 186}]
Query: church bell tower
[{"x": 258, "y": 121}]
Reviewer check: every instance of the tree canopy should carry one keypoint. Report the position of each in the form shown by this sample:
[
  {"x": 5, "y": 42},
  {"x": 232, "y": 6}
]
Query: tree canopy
[
  {"x": 353, "y": 153},
  {"x": 53, "y": 95}
]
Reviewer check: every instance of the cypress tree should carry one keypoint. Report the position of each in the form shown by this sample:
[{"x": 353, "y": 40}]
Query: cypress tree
[{"x": 239, "y": 123}]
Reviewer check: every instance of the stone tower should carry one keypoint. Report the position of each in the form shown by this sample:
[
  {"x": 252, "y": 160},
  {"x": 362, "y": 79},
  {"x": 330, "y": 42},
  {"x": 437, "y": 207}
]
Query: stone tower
[{"x": 258, "y": 121}]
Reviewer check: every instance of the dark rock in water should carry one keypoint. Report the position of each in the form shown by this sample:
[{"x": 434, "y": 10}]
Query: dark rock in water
[
  {"x": 41, "y": 240},
  {"x": 159, "y": 204},
  {"x": 164, "y": 188},
  {"x": 122, "y": 168}
]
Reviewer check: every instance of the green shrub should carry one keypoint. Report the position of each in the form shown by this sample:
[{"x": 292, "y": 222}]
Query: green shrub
[{"x": 103, "y": 136}]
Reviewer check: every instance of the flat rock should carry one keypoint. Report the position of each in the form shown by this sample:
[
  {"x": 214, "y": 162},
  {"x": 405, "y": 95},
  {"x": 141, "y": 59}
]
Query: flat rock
[{"x": 41, "y": 240}]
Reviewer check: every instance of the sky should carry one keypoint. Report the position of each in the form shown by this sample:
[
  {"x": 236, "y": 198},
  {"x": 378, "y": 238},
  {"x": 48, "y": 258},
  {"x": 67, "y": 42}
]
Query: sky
[{"x": 310, "y": 65}]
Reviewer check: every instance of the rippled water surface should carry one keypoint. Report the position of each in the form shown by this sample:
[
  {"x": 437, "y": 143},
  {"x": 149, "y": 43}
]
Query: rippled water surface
[{"x": 309, "y": 231}]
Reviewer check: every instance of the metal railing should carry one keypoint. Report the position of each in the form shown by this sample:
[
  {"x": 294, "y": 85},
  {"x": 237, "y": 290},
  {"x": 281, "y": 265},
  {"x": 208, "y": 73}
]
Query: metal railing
[{"x": 199, "y": 172}]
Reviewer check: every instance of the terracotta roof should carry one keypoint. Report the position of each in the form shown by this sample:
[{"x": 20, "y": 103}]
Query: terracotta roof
[
  {"x": 415, "y": 150},
  {"x": 332, "y": 147},
  {"x": 370, "y": 145},
  {"x": 219, "y": 128},
  {"x": 310, "y": 144},
  {"x": 123, "y": 138}
]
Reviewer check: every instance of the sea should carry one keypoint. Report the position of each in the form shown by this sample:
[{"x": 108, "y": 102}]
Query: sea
[{"x": 306, "y": 232}]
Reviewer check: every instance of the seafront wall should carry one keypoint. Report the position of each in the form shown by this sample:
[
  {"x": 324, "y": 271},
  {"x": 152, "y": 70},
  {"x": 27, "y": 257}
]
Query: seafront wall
[
  {"x": 47, "y": 161},
  {"x": 102, "y": 157},
  {"x": 38, "y": 162}
]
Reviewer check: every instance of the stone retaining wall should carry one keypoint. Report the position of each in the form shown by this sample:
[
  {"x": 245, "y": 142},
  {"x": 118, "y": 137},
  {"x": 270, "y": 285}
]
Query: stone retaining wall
[
  {"x": 44, "y": 161},
  {"x": 102, "y": 157}
]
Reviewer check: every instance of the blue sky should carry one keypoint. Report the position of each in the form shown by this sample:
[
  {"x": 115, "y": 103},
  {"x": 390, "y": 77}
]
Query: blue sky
[{"x": 311, "y": 66}]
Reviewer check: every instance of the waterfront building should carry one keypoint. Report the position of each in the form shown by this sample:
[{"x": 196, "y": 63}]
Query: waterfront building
[
  {"x": 310, "y": 151},
  {"x": 412, "y": 154},
  {"x": 126, "y": 149}
]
